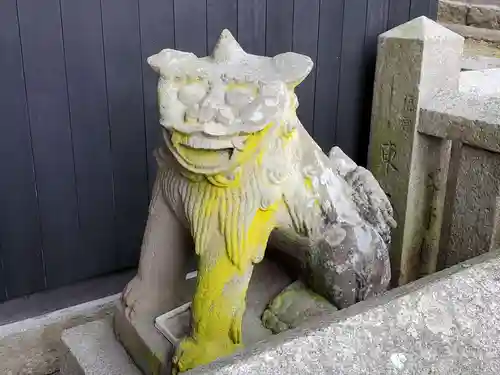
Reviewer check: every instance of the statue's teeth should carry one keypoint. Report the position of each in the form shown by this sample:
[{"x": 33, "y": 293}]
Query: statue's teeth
[{"x": 239, "y": 143}]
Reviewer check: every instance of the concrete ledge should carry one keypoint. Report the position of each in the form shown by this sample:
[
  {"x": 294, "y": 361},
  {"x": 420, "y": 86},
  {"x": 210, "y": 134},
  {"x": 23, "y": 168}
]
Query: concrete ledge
[
  {"x": 481, "y": 82},
  {"x": 447, "y": 323},
  {"x": 33, "y": 346},
  {"x": 480, "y": 63},
  {"x": 94, "y": 350},
  {"x": 487, "y": 35}
]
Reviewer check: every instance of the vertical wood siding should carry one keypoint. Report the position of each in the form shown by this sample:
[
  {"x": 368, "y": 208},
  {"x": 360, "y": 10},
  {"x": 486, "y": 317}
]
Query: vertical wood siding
[{"x": 78, "y": 116}]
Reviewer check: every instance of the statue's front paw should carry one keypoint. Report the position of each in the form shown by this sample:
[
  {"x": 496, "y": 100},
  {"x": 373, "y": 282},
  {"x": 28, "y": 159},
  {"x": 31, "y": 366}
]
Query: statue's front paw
[
  {"x": 193, "y": 353},
  {"x": 293, "y": 306}
]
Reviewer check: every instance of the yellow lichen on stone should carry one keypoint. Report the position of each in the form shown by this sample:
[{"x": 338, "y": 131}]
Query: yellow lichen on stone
[{"x": 219, "y": 302}]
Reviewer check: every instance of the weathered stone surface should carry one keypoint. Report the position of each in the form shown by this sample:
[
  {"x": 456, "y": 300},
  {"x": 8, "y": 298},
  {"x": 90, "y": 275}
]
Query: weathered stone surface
[
  {"x": 472, "y": 221},
  {"x": 487, "y": 17},
  {"x": 147, "y": 347},
  {"x": 295, "y": 305},
  {"x": 478, "y": 14},
  {"x": 33, "y": 346},
  {"x": 475, "y": 33},
  {"x": 94, "y": 350},
  {"x": 236, "y": 165},
  {"x": 481, "y": 83},
  {"x": 469, "y": 118},
  {"x": 483, "y": 2},
  {"x": 414, "y": 60},
  {"x": 480, "y": 63},
  {"x": 485, "y": 65},
  {"x": 444, "y": 195},
  {"x": 452, "y": 12},
  {"x": 448, "y": 323}
]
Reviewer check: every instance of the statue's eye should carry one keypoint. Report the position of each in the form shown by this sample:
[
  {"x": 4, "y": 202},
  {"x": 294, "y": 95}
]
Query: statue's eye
[
  {"x": 240, "y": 96},
  {"x": 192, "y": 93}
]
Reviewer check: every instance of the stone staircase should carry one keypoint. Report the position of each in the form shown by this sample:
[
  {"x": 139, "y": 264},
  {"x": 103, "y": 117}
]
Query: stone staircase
[
  {"x": 478, "y": 21},
  {"x": 484, "y": 14}
]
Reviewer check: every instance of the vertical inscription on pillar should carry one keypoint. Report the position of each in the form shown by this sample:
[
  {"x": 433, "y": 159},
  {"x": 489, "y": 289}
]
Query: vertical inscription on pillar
[
  {"x": 410, "y": 104},
  {"x": 432, "y": 188},
  {"x": 407, "y": 117},
  {"x": 388, "y": 153}
]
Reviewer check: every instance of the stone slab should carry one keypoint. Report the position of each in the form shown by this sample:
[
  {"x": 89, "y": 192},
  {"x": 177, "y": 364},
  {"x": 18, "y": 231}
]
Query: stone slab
[
  {"x": 33, "y": 346},
  {"x": 475, "y": 32},
  {"x": 66, "y": 297},
  {"x": 94, "y": 350},
  {"x": 483, "y": 2},
  {"x": 447, "y": 323},
  {"x": 463, "y": 116},
  {"x": 484, "y": 16},
  {"x": 481, "y": 82},
  {"x": 144, "y": 344},
  {"x": 472, "y": 208},
  {"x": 453, "y": 12},
  {"x": 475, "y": 14},
  {"x": 480, "y": 63}
]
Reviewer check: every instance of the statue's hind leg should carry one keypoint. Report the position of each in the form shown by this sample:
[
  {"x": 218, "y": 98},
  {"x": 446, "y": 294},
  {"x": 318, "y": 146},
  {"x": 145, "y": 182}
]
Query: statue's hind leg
[{"x": 165, "y": 254}]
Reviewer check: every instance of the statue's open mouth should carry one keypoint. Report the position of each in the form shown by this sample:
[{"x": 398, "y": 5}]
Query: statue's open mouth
[
  {"x": 204, "y": 158},
  {"x": 203, "y": 154},
  {"x": 210, "y": 155}
]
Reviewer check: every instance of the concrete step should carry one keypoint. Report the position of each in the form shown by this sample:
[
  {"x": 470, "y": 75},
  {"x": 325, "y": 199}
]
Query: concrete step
[{"x": 94, "y": 350}]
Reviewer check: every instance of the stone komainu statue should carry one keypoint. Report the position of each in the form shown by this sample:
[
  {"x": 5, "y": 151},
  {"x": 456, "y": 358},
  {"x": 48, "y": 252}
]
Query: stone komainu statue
[{"x": 236, "y": 165}]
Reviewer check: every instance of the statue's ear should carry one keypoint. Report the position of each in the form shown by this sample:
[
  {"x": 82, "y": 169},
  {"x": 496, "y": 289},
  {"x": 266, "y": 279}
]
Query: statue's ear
[
  {"x": 165, "y": 59},
  {"x": 292, "y": 67}
]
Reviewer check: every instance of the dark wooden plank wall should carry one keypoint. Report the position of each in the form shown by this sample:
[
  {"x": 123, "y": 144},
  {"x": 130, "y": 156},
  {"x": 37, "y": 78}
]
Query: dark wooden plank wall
[
  {"x": 79, "y": 119},
  {"x": 52, "y": 137},
  {"x": 22, "y": 269}
]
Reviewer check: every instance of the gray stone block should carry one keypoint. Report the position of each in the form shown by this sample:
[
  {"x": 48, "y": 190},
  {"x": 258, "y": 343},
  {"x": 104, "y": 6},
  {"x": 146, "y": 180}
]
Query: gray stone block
[
  {"x": 446, "y": 324},
  {"x": 475, "y": 33},
  {"x": 480, "y": 13},
  {"x": 33, "y": 346},
  {"x": 452, "y": 12},
  {"x": 472, "y": 208},
  {"x": 480, "y": 63},
  {"x": 94, "y": 350},
  {"x": 481, "y": 82},
  {"x": 487, "y": 17}
]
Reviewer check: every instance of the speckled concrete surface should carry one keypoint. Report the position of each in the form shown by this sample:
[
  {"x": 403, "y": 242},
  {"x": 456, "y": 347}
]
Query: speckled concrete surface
[
  {"x": 94, "y": 350},
  {"x": 33, "y": 346},
  {"x": 448, "y": 323}
]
